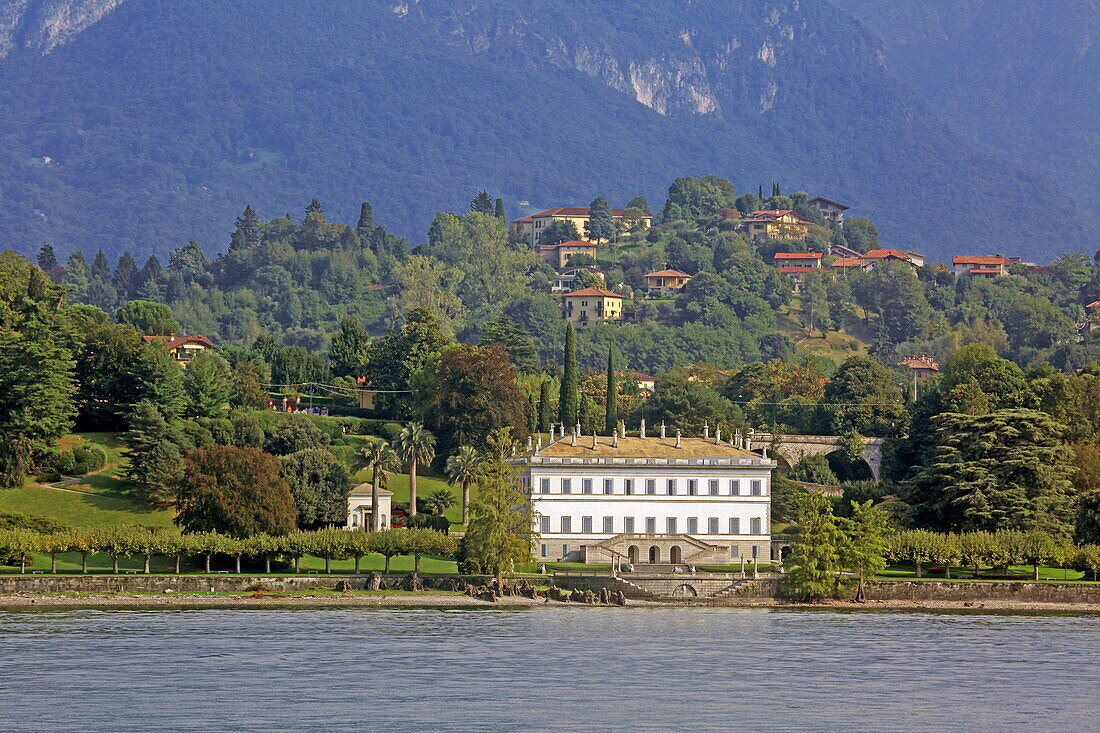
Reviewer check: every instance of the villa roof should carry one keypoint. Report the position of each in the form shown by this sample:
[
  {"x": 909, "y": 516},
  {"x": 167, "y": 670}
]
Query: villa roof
[
  {"x": 365, "y": 488},
  {"x": 792, "y": 269},
  {"x": 968, "y": 259},
  {"x": 594, "y": 292},
  {"x": 522, "y": 218},
  {"x": 576, "y": 243},
  {"x": 846, "y": 262},
  {"x": 644, "y": 448},
  {"x": 829, "y": 201},
  {"x": 1094, "y": 304},
  {"x": 580, "y": 211},
  {"x": 798, "y": 255},
  {"x": 174, "y": 342},
  {"x": 920, "y": 362},
  {"x": 667, "y": 273},
  {"x": 881, "y": 254}
]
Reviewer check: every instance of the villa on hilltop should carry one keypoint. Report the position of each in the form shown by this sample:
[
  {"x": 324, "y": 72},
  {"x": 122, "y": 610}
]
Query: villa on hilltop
[
  {"x": 183, "y": 348},
  {"x": 592, "y": 305},
  {"x": 531, "y": 227}
]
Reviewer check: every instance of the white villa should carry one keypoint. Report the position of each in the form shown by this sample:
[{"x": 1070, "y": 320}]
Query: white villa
[
  {"x": 359, "y": 504},
  {"x": 661, "y": 501}
]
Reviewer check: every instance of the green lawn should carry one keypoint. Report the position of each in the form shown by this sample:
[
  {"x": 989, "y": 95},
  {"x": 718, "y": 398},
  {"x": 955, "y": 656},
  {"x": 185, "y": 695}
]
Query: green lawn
[
  {"x": 1024, "y": 571},
  {"x": 80, "y": 510}
]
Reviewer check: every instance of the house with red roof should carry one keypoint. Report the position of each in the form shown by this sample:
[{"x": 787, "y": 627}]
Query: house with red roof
[
  {"x": 797, "y": 259},
  {"x": 666, "y": 282},
  {"x": 592, "y": 305},
  {"x": 531, "y": 227},
  {"x": 981, "y": 265},
  {"x": 846, "y": 264},
  {"x": 182, "y": 348},
  {"x": 875, "y": 256},
  {"x": 776, "y": 224},
  {"x": 559, "y": 256}
]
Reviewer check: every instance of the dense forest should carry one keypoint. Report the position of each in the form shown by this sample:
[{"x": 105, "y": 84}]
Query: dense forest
[{"x": 464, "y": 337}]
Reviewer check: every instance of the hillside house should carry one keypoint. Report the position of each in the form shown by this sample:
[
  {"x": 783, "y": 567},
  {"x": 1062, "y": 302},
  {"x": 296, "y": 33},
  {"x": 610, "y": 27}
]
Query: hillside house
[
  {"x": 798, "y": 259},
  {"x": 649, "y": 501},
  {"x": 846, "y": 264},
  {"x": 776, "y": 224},
  {"x": 666, "y": 282},
  {"x": 831, "y": 210},
  {"x": 981, "y": 265},
  {"x": 183, "y": 348},
  {"x": 797, "y": 274},
  {"x": 558, "y": 256},
  {"x": 530, "y": 228},
  {"x": 592, "y": 305},
  {"x": 563, "y": 283},
  {"x": 922, "y": 366},
  {"x": 875, "y": 256}
]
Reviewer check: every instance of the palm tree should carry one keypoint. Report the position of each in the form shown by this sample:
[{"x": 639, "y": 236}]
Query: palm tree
[
  {"x": 463, "y": 468},
  {"x": 414, "y": 445},
  {"x": 380, "y": 458}
]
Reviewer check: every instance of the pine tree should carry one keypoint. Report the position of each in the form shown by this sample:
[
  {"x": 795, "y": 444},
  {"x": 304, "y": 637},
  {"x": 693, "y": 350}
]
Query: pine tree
[
  {"x": 314, "y": 207},
  {"x": 206, "y": 385},
  {"x": 568, "y": 401},
  {"x": 601, "y": 222},
  {"x": 611, "y": 409},
  {"x": 101, "y": 266},
  {"x": 47, "y": 260},
  {"x": 499, "y": 210},
  {"x": 246, "y": 232},
  {"x": 77, "y": 274},
  {"x": 348, "y": 352},
  {"x": 366, "y": 226},
  {"x": 518, "y": 343},
  {"x": 482, "y": 203},
  {"x": 126, "y": 275}
]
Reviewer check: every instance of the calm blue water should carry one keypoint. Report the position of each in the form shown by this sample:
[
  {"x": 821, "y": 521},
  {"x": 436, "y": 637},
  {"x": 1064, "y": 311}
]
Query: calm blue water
[{"x": 553, "y": 669}]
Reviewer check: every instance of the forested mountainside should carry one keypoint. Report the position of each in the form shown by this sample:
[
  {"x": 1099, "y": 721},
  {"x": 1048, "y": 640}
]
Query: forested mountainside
[
  {"x": 1017, "y": 78},
  {"x": 159, "y": 122}
]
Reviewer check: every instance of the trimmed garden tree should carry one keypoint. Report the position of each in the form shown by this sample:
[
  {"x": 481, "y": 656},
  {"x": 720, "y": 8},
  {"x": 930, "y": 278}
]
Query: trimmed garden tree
[{"x": 813, "y": 565}]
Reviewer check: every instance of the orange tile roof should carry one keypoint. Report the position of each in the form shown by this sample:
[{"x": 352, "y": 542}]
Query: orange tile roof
[
  {"x": 798, "y": 255},
  {"x": 579, "y": 211},
  {"x": 522, "y": 218},
  {"x": 667, "y": 273},
  {"x": 594, "y": 292},
  {"x": 789, "y": 269},
  {"x": 575, "y": 243},
  {"x": 174, "y": 341},
  {"x": 1094, "y": 304},
  {"x": 920, "y": 362},
  {"x": 980, "y": 260},
  {"x": 879, "y": 254},
  {"x": 846, "y": 262}
]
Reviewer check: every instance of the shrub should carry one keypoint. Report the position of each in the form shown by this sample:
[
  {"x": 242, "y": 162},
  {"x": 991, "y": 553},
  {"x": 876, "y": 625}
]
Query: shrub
[
  {"x": 429, "y": 521},
  {"x": 88, "y": 458}
]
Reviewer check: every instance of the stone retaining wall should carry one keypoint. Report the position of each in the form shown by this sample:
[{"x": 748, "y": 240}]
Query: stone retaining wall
[
  {"x": 1024, "y": 592},
  {"x": 227, "y": 583}
]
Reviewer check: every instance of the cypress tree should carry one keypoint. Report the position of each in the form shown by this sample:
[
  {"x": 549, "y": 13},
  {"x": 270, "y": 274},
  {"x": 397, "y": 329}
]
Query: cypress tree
[
  {"x": 500, "y": 209},
  {"x": 570, "y": 395},
  {"x": 246, "y": 232},
  {"x": 611, "y": 411},
  {"x": 543, "y": 425}
]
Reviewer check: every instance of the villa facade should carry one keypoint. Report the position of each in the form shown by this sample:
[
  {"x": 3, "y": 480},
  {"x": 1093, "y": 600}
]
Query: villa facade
[
  {"x": 663, "y": 501},
  {"x": 359, "y": 507}
]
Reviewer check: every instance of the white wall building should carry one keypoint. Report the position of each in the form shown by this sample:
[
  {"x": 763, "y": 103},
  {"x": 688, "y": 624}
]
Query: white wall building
[
  {"x": 642, "y": 500},
  {"x": 359, "y": 507}
]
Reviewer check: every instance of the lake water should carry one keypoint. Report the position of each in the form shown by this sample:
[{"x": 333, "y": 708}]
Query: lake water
[{"x": 546, "y": 669}]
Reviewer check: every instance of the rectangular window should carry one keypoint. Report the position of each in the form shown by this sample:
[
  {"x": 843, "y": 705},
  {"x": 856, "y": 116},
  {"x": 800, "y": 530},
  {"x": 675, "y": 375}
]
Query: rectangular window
[
  {"x": 586, "y": 525},
  {"x": 754, "y": 525},
  {"x": 544, "y": 525},
  {"x": 735, "y": 525},
  {"x": 545, "y": 550},
  {"x": 755, "y": 551},
  {"x": 564, "y": 552},
  {"x": 735, "y": 550},
  {"x": 628, "y": 525},
  {"x": 712, "y": 525},
  {"x": 609, "y": 486},
  {"x": 670, "y": 525},
  {"x": 755, "y": 486},
  {"x": 712, "y": 485},
  {"x": 566, "y": 525},
  {"x": 608, "y": 525},
  {"x": 693, "y": 525},
  {"x": 628, "y": 486},
  {"x": 586, "y": 486},
  {"x": 567, "y": 486},
  {"x": 651, "y": 525},
  {"x": 650, "y": 486},
  {"x": 544, "y": 486},
  {"x": 693, "y": 487},
  {"x": 735, "y": 488},
  {"x": 671, "y": 487}
]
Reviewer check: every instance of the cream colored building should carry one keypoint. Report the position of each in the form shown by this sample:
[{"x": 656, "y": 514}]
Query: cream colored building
[
  {"x": 776, "y": 224},
  {"x": 678, "y": 501},
  {"x": 183, "y": 348},
  {"x": 531, "y": 227},
  {"x": 558, "y": 256},
  {"x": 666, "y": 282},
  {"x": 592, "y": 305},
  {"x": 359, "y": 507}
]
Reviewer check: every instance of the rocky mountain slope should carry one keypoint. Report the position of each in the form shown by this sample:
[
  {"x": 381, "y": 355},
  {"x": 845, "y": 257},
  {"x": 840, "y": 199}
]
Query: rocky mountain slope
[
  {"x": 40, "y": 26},
  {"x": 160, "y": 121}
]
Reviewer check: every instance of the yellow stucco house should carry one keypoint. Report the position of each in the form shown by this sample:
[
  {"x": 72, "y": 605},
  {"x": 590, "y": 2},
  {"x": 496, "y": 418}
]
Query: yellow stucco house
[
  {"x": 183, "y": 348},
  {"x": 776, "y": 224},
  {"x": 558, "y": 255},
  {"x": 666, "y": 282},
  {"x": 592, "y": 305},
  {"x": 531, "y": 227}
]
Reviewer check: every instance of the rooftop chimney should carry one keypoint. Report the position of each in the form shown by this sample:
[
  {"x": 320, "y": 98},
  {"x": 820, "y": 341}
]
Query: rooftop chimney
[
  {"x": 678, "y": 438},
  {"x": 641, "y": 430},
  {"x": 538, "y": 444},
  {"x": 706, "y": 429},
  {"x": 662, "y": 430},
  {"x": 552, "y": 426},
  {"x": 595, "y": 439},
  {"x": 718, "y": 434},
  {"x": 615, "y": 440},
  {"x": 574, "y": 440},
  {"x": 529, "y": 442}
]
